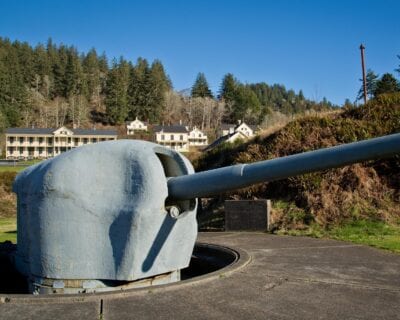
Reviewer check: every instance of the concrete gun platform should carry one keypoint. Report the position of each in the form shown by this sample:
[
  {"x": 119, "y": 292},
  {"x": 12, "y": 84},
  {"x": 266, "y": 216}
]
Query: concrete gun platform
[{"x": 277, "y": 277}]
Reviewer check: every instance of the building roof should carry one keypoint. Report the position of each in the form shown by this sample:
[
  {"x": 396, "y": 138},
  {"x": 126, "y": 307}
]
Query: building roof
[
  {"x": 130, "y": 121},
  {"x": 81, "y": 132},
  {"x": 31, "y": 130},
  {"x": 223, "y": 139},
  {"x": 171, "y": 129},
  {"x": 227, "y": 126}
]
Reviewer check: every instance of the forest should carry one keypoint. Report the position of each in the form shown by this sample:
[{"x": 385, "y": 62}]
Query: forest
[{"x": 54, "y": 84}]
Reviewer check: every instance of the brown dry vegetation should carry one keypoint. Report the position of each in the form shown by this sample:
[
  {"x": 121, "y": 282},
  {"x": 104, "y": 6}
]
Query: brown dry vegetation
[
  {"x": 7, "y": 197},
  {"x": 368, "y": 190}
]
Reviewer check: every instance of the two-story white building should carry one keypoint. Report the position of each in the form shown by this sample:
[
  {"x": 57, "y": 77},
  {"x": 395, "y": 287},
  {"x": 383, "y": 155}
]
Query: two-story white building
[
  {"x": 135, "y": 125},
  {"x": 197, "y": 138},
  {"x": 174, "y": 137},
  {"x": 33, "y": 143}
]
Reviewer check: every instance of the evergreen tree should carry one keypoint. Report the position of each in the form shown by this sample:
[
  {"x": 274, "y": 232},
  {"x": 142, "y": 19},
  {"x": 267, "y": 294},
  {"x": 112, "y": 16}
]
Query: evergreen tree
[
  {"x": 158, "y": 85},
  {"x": 398, "y": 69},
  {"x": 246, "y": 105},
  {"x": 348, "y": 104},
  {"x": 301, "y": 95},
  {"x": 13, "y": 92},
  {"x": 91, "y": 68},
  {"x": 42, "y": 69},
  {"x": 147, "y": 88},
  {"x": 138, "y": 89},
  {"x": 228, "y": 88},
  {"x": 59, "y": 60},
  {"x": 25, "y": 59},
  {"x": 117, "y": 92},
  {"x": 371, "y": 80},
  {"x": 387, "y": 84},
  {"x": 200, "y": 87},
  {"x": 74, "y": 81}
]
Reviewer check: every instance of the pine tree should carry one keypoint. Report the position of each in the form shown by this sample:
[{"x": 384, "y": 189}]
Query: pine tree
[
  {"x": 246, "y": 105},
  {"x": 138, "y": 88},
  {"x": 91, "y": 68},
  {"x": 371, "y": 80},
  {"x": 398, "y": 69},
  {"x": 387, "y": 84},
  {"x": 200, "y": 87},
  {"x": 42, "y": 69},
  {"x": 59, "y": 60},
  {"x": 228, "y": 87},
  {"x": 13, "y": 92},
  {"x": 117, "y": 92},
  {"x": 74, "y": 80}
]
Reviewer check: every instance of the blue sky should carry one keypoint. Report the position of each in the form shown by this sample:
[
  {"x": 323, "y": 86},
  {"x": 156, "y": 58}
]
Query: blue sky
[{"x": 308, "y": 45}]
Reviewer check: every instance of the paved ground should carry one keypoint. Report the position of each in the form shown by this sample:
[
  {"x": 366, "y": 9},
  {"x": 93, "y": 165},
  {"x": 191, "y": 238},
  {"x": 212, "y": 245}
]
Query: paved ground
[{"x": 287, "y": 278}]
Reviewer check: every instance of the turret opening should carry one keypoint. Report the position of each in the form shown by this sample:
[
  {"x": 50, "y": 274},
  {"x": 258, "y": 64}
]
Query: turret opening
[{"x": 174, "y": 166}]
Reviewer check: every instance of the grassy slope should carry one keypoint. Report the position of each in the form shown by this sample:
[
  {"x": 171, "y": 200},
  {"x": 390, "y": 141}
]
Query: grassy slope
[
  {"x": 334, "y": 198},
  {"x": 8, "y": 229}
]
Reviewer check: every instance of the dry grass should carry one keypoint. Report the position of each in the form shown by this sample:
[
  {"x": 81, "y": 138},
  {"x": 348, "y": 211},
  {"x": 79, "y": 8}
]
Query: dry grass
[{"x": 362, "y": 191}]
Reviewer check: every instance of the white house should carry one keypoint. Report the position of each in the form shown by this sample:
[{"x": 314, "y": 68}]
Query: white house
[
  {"x": 247, "y": 130},
  {"x": 230, "y": 138},
  {"x": 231, "y": 132},
  {"x": 197, "y": 138},
  {"x": 135, "y": 125},
  {"x": 174, "y": 137},
  {"x": 30, "y": 143}
]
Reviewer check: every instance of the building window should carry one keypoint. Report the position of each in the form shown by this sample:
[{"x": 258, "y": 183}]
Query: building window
[
  {"x": 11, "y": 139},
  {"x": 85, "y": 140},
  {"x": 172, "y": 137},
  {"x": 31, "y": 139},
  {"x": 69, "y": 140},
  {"x": 162, "y": 137},
  {"x": 76, "y": 141},
  {"x": 50, "y": 140},
  {"x": 11, "y": 149},
  {"x": 40, "y": 150},
  {"x": 181, "y": 137},
  {"x": 21, "y": 139},
  {"x": 21, "y": 149},
  {"x": 49, "y": 150},
  {"x": 94, "y": 140},
  {"x": 40, "y": 140}
]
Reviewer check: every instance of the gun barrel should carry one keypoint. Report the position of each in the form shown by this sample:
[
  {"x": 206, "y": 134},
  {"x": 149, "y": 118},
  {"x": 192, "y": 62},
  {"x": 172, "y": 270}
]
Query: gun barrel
[{"x": 216, "y": 181}]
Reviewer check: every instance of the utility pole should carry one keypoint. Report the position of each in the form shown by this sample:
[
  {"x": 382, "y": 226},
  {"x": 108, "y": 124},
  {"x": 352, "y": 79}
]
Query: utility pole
[{"x": 362, "y": 48}]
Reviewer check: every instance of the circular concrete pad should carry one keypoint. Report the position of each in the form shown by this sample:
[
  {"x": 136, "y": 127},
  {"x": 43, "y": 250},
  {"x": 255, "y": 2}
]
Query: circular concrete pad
[{"x": 287, "y": 278}]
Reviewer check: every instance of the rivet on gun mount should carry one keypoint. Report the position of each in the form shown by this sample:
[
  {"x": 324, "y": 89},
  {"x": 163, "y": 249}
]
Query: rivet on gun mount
[{"x": 117, "y": 214}]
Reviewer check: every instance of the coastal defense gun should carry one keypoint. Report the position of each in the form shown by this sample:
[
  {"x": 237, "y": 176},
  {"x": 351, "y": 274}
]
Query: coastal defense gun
[{"x": 119, "y": 214}]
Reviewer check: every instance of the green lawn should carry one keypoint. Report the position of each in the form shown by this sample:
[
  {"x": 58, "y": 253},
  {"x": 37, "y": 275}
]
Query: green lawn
[
  {"x": 17, "y": 168},
  {"x": 8, "y": 229},
  {"x": 11, "y": 168},
  {"x": 372, "y": 233}
]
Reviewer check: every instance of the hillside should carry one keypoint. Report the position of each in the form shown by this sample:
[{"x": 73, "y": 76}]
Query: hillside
[{"x": 369, "y": 190}]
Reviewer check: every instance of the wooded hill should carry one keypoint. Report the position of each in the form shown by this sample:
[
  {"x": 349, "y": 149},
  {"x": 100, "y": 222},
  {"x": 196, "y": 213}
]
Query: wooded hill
[
  {"x": 52, "y": 85},
  {"x": 368, "y": 190}
]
